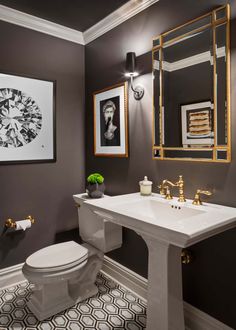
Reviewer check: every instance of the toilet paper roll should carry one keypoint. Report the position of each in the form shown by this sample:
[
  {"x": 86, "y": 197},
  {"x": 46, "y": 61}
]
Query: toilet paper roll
[{"x": 23, "y": 224}]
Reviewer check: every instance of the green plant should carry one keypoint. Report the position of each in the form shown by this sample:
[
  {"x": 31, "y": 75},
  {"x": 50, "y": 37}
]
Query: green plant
[{"x": 95, "y": 178}]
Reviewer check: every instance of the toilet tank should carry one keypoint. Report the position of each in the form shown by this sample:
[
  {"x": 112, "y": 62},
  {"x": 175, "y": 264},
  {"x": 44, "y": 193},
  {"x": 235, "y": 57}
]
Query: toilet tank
[{"x": 100, "y": 233}]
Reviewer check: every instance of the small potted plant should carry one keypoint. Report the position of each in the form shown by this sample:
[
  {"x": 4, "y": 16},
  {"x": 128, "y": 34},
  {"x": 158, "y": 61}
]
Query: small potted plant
[{"x": 95, "y": 186}]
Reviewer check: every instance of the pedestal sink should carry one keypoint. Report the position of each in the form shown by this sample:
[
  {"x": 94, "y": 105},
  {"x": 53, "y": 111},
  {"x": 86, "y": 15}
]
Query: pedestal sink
[{"x": 166, "y": 227}]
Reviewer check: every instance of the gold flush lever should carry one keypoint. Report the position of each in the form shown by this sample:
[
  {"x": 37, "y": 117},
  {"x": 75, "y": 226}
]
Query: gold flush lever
[{"x": 197, "y": 197}]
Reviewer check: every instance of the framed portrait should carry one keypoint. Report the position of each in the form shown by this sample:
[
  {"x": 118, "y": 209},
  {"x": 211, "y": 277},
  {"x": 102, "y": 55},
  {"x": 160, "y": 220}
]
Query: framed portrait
[
  {"x": 111, "y": 121},
  {"x": 197, "y": 124},
  {"x": 27, "y": 119}
]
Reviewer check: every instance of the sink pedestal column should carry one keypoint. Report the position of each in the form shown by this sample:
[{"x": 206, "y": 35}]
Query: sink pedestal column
[{"x": 165, "y": 301}]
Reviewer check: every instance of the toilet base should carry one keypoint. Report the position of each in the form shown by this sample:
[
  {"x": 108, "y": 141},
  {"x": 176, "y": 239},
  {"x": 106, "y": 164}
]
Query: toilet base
[
  {"x": 60, "y": 293},
  {"x": 59, "y": 303},
  {"x": 50, "y": 299}
]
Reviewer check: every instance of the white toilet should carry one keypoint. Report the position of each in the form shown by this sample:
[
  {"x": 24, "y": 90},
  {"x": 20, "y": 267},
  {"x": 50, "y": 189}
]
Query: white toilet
[{"x": 64, "y": 274}]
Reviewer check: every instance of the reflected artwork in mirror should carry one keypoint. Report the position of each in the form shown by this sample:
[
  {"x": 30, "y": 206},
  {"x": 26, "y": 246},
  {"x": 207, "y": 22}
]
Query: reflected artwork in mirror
[{"x": 191, "y": 90}]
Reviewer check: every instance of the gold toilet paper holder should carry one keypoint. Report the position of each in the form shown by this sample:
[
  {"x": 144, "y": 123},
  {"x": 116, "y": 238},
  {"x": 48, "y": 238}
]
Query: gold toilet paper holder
[{"x": 10, "y": 223}]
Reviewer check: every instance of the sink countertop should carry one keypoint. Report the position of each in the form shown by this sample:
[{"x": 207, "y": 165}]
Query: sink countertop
[{"x": 181, "y": 224}]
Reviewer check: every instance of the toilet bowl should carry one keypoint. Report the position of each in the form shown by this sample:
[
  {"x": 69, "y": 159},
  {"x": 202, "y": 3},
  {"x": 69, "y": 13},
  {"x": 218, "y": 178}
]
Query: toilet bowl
[{"x": 64, "y": 274}]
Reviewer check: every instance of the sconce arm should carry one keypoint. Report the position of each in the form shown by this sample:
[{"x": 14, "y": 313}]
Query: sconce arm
[{"x": 138, "y": 90}]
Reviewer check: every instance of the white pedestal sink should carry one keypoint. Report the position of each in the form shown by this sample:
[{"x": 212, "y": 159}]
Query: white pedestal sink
[{"x": 166, "y": 227}]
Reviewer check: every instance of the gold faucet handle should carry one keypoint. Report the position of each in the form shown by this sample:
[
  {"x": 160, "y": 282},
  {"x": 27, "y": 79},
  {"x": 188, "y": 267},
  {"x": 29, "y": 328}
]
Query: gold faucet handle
[
  {"x": 204, "y": 192},
  {"x": 162, "y": 189},
  {"x": 197, "y": 198}
]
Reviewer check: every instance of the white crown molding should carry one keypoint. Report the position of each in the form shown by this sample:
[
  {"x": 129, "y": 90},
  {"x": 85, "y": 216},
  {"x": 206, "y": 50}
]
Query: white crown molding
[
  {"x": 38, "y": 24},
  {"x": 128, "y": 10},
  {"x": 119, "y": 16}
]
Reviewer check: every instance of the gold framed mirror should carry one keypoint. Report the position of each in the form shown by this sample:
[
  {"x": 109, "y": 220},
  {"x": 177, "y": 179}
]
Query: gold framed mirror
[{"x": 191, "y": 90}]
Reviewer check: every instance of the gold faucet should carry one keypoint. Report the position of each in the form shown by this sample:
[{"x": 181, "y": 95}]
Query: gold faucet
[{"x": 165, "y": 188}]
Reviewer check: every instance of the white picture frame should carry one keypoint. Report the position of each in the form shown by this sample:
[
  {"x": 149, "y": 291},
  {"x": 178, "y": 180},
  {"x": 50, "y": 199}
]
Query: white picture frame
[{"x": 27, "y": 119}]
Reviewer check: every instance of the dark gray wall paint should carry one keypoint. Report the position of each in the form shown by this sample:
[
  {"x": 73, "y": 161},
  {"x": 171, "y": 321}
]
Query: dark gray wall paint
[
  {"x": 209, "y": 282},
  {"x": 44, "y": 190}
]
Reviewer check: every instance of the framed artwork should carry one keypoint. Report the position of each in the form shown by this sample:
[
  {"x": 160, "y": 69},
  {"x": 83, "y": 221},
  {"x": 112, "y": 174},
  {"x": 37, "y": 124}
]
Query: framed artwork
[
  {"x": 27, "y": 119},
  {"x": 197, "y": 124},
  {"x": 111, "y": 121}
]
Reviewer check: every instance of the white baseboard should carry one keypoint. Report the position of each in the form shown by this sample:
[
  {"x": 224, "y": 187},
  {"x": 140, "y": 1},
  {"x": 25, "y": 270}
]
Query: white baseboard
[
  {"x": 126, "y": 277},
  {"x": 194, "y": 318},
  {"x": 11, "y": 276},
  {"x": 198, "y": 320}
]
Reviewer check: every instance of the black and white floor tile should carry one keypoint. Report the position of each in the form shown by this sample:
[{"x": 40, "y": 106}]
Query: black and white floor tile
[{"x": 113, "y": 308}]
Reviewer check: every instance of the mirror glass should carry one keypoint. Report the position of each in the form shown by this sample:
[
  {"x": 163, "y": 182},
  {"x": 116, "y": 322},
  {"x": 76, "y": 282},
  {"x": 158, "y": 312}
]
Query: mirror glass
[
  {"x": 221, "y": 13},
  {"x": 191, "y": 91},
  {"x": 221, "y": 85},
  {"x": 196, "y": 25},
  {"x": 156, "y": 86}
]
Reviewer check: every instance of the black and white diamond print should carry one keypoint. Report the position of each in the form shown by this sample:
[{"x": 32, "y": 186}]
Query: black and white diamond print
[
  {"x": 113, "y": 308},
  {"x": 20, "y": 118}
]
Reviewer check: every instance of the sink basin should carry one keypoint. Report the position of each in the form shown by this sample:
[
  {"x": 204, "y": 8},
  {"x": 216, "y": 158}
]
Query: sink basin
[
  {"x": 181, "y": 224},
  {"x": 159, "y": 211}
]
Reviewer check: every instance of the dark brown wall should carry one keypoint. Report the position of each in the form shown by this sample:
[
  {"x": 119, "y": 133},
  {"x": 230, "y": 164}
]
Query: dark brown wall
[
  {"x": 209, "y": 282},
  {"x": 44, "y": 190}
]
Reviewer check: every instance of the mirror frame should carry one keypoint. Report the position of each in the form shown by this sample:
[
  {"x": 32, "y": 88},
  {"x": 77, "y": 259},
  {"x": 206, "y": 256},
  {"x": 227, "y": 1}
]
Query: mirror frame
[{"x": 158, "y": 151}]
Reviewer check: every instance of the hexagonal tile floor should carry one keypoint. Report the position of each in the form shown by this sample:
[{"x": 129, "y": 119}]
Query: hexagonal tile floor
[{"x": 113, "y": 308}]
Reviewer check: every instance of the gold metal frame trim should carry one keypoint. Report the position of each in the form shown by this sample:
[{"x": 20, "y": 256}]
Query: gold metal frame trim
[
  {"x": 187, "y": 23},
  {"x": 189, "y": 159},
  {"x": 214, "y": 23},
  {"x": 192, "y": 21},
  {"x": 228, "y": 91},
  {"x": 189, "y": 149},
  {"x": 214, "y": 85}
]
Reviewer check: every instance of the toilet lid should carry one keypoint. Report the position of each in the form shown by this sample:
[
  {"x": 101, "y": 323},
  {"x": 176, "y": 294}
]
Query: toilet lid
[{"x": 58, "y": 255}]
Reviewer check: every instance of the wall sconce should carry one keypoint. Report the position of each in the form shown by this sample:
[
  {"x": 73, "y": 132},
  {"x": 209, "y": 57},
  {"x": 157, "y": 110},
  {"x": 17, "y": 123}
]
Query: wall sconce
[{"x": 131, "y": 72}]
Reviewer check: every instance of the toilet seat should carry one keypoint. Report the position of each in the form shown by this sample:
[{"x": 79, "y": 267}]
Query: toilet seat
[{"x": 57, "y": 257}]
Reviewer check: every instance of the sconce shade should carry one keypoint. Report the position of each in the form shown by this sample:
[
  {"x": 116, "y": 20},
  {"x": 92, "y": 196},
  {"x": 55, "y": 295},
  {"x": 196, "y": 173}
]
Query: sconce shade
[{"x": 130, "y": 66}]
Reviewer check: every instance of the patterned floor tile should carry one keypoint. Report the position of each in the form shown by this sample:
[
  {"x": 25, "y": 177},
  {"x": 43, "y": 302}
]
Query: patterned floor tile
[{"x": 113, "y": 308}]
